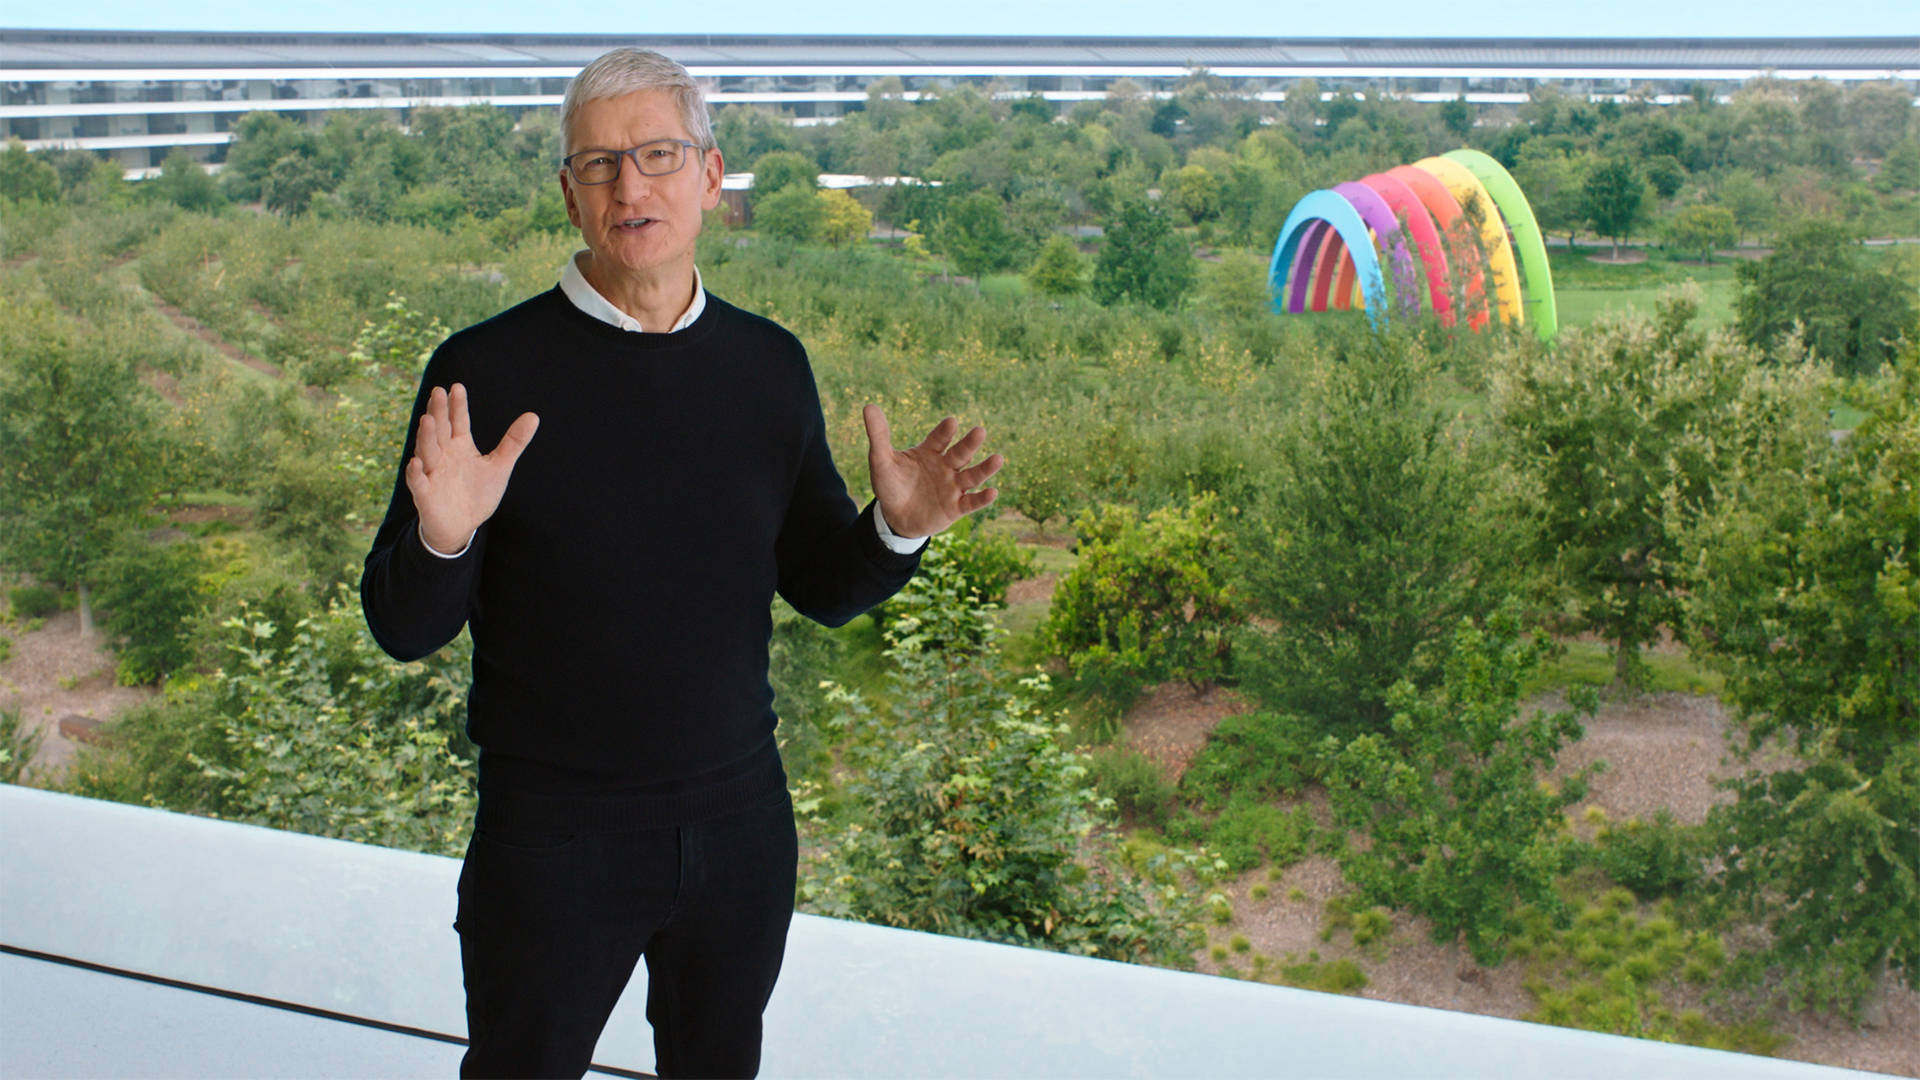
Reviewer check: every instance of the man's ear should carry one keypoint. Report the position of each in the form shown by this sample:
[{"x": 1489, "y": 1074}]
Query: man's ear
[
  {"x": 566, "y": 192},
  {"x": 715, "y": 171}
]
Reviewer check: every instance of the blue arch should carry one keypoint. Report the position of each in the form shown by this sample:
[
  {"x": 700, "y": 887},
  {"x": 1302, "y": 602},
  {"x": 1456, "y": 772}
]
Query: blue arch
[{"x": 1330, "y": 207}]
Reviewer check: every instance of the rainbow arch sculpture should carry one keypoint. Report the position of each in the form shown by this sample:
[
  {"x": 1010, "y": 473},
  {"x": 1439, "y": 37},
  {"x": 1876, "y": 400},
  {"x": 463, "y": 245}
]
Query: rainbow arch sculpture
[{"x": 1456, "y": 220}]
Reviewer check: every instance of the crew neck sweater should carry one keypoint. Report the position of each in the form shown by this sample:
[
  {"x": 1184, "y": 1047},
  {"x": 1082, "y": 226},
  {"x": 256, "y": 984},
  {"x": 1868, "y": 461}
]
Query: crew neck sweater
[{"x": 619, "y": 596}]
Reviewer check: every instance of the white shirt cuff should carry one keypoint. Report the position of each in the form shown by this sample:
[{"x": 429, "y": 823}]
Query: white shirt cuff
[
  {"x": 431, "y": 550},
  {"x": 896, "y": 544}
]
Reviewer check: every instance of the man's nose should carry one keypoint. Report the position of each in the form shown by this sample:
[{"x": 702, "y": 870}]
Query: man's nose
[{"x": 632, "y": 185}]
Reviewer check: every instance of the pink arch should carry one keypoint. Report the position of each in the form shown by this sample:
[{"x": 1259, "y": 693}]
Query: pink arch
[{"x": 1407, "y": 206}]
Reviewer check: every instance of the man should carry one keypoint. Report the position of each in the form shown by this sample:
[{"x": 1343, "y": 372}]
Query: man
[{"x": 616, "y": 572}]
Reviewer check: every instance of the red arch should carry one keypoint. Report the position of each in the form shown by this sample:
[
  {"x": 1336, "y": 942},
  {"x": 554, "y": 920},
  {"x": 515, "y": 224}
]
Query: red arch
[{"x": 1446, "y": 210}]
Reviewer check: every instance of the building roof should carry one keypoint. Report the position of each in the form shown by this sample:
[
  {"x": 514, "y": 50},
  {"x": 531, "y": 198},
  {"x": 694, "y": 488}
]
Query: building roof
[{"x": 30, "y": 49}]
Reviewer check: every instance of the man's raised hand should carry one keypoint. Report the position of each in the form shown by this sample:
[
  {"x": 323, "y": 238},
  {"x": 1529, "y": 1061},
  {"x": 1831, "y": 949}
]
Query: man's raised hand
[
  {"x": 924, "y": 489},
  {"x": 455, "y": 487}
]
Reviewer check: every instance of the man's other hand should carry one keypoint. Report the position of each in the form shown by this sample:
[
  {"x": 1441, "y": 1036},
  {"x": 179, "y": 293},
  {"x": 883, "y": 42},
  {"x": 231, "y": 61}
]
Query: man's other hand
[
  {"x": 455, "y": 487},
  {"x": 926, "y": 488}
]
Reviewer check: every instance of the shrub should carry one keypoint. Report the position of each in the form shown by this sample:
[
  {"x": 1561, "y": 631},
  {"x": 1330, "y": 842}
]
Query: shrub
[
  {"x": 1461, "y": 831},
  {"x": 1257, "y": 755},
  {"x": 1140, "y": 792},
  {"x": 150, "y": 594},
  {"x": 975, "y": 813},
  {"x": 1147, "y": 600},
  {"x": 1654, "y": 859},
  {"x": 329, "y": 736},
  {"x": 1248, "y": 833},
  {"x": 34, "y": 601}
]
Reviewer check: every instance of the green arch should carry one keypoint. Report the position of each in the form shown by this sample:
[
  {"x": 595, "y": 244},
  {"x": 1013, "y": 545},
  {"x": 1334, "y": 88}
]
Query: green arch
[{"x": 1536, "y": 276}]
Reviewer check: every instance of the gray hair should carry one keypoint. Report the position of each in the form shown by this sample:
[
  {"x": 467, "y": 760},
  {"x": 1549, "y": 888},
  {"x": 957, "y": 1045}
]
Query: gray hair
[{"x": 626, "y": 71}]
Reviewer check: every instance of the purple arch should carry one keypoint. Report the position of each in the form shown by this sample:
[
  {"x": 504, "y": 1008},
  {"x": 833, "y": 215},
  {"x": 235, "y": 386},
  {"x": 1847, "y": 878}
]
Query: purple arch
[{"x": 1386, "y": 230}]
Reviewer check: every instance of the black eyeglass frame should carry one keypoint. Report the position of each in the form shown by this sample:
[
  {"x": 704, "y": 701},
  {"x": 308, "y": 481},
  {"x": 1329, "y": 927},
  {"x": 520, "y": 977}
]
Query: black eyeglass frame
[{"x": 633, "y": 152}]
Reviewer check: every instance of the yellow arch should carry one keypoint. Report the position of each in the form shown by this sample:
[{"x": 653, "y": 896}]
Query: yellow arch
[{"x": 1467, "y": 188}]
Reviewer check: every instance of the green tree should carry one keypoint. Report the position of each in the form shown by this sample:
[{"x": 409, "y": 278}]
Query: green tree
[
  {"x": 1616, "y": 199},
  {"x": 1808, "y": 594},
  {"x": 1457, "y": 118},
  {"x": 1143, "y": 260},
  {"x": 1148, "y": 600},
  {"x": 24, "y": 175},
  {"x": 1555, "y": 186},
  {"x": 1461, "y": 827},
  {"x": 1702, "y": 227},
  {"x": 779, "y": 170},
  {"x": 1193, "y": 192},
  {"x": 1626, "y": 425},
  {"x": 1058, "y": 271},
  {"x": 794, "y": 212},
  {"x": 1754, "y": 205},
  {"x": 1374, "y": 540},
  {"x": 79, "y": 453},
  {"x": 185, "y": 184},
  {"x": 974, "y": 233},
  {"x": 1849, "y": 313}
]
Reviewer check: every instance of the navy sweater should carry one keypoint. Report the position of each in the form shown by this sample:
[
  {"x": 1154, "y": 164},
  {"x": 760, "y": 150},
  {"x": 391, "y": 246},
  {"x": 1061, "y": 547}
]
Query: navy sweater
[{"x": 619, "y": 597}]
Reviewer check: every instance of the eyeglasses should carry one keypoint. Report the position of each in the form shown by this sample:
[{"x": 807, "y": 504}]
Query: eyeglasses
[{"x": 657, "y": 158}]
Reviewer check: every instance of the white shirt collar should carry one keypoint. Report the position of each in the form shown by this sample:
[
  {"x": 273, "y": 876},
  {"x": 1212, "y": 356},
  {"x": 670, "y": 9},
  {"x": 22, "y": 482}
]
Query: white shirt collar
[{"x": 588, "y": 299}]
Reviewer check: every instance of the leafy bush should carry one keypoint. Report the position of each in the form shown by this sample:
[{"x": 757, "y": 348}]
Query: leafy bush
[
  {"x": 1258, "y": 755},
  {"x": 150, "y": 594},
  {"x": 329, "y": 736},
  {"x": 1654, "y": 859},
  {"x": 975, "y": 815},
  {"x": 1140, "y": 792},
  {"x": 1147, "y": 600},
  {"x": 1248, "y": 833},
  {"x": 33, "y": 601},
  {"x": 1461, "y": 830}
]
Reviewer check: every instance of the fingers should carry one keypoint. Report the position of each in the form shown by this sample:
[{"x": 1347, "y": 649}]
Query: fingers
[
  {"x": 416, "y": 480},
  {"x": 941, "y": 435},
  {"x": 964, "y": 450},
  {"x": 977, "y": 500},
  {"x": 429, "y": 447},
  {"x": 462, "y": 424},
  {"x": 515, "y": 440},
  {"x": 974, "y": 477},
  {"x": 879, "y": 432}
]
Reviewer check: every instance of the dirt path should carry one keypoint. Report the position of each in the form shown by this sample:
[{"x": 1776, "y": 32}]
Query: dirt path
[
  {"x": 228, "y": 349},
  {"x": 55, "y": 675}
]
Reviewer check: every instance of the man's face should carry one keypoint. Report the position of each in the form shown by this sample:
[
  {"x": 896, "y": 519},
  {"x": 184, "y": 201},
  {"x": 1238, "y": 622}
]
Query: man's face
[{"x": 639, "y": 224}]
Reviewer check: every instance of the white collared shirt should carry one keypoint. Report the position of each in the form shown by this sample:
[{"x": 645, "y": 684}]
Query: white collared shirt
[{"x": 573, "y": 282}]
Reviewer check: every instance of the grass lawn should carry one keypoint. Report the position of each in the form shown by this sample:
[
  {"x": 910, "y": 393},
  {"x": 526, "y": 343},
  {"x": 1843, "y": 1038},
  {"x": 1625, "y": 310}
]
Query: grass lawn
[
  {"x": 1588, "y": 662},
  {"x": 1584, "y": 288}
]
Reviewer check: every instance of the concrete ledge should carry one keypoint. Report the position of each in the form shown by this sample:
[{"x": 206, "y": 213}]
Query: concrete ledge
[{"x": 367, "y": 932}]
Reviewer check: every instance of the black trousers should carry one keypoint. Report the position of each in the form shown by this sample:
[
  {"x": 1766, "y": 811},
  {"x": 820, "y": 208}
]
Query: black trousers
[{"x": 551, "y": 926}]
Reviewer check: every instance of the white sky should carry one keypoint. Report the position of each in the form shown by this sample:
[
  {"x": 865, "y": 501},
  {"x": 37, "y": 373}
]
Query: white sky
[{"x": 1141, "y": 18}]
